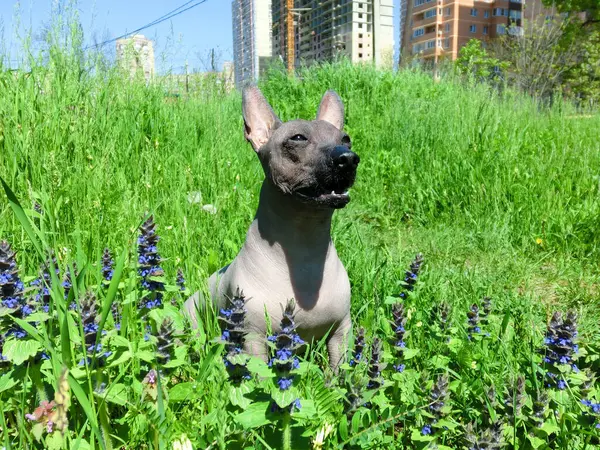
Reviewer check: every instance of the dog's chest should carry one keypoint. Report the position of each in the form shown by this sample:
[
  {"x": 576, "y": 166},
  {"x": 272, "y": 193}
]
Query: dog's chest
[{"x": 321, "y": 293}]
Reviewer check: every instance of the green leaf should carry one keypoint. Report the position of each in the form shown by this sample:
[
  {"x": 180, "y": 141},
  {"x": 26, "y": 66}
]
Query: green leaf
[
  {"x": 444, "y": 423},
  {"x": 440, "y": 361},
  {"x": 182, "y": 392},
  {"x": 237, "y": 395},
  {"x": 18, "y": 351},
  {"x": 254, "y": 416},
  {"x": 410, "y": 353},
  {"x": 7, "y": 381},
  {"x": 21, "y": 216},
  {"x": 284, "y": 398},
  {"x": 549, "y": 428},
  {"x": 535, "y": 441},
  {"x": 54, "y": 441},
  {"x": 416, "y": 436},
  {"x": 87, "y": 409},
  {"x": 343, "y": 427},
  {"x": 356, "y": 421},
  {"x": 119, "y": 358},
  {"x": 260, "y": 368},
  {"x": 307, "y": 411},
  {"x": 115, "y": 393}
]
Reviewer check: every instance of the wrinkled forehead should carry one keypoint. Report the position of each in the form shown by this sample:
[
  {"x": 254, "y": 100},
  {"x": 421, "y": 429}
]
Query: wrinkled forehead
[{"x": 314, "y": 130}]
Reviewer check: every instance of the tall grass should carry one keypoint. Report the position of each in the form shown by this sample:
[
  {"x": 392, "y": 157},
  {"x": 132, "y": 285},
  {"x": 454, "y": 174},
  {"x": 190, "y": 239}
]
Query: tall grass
[{"x": 501, "y": 195}]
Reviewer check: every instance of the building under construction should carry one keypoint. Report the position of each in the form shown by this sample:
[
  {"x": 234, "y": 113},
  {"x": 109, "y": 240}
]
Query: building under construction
[
  {"x": 251, "y": 38},
  {"x": 308, "y": 31}
]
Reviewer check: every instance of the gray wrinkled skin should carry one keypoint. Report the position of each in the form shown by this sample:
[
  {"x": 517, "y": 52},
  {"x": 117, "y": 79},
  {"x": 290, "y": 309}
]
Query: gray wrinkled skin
[{"x": 288, "y": 252}]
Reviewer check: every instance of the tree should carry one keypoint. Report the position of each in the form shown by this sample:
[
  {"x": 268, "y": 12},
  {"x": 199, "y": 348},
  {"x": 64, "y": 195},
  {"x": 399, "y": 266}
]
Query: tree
[
  {"x": 474, "y": 61},
  {"x": 538, "y": 60},
  {"x": 584, "y": 78}
]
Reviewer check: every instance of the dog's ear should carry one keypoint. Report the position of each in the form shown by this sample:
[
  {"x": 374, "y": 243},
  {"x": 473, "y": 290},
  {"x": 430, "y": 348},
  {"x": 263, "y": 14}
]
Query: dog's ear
[
  {"x": 331, "y": 109},
  {"x": 259, "y": 119}
]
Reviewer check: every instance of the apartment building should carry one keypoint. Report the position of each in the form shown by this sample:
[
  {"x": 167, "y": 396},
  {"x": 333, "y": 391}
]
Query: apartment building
[
  {"x": 361, "y": 30},
  {"x": 436, "y": 29},
  {"x": 251, "y": 26},
  {"x": 136, "y": 54}
]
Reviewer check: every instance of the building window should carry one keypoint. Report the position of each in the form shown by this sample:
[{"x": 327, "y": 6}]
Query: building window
[
  {"x": 447, "y": 43},
  {"x": 430, "y": 44},
  {"x": 485, "y": 29},
  {"x": 360, "y": 35},
  {"x": 430, "y": 13},
  {"x": 359, "y": 45},
  {"x": 514, "y": 14},
  {"x": 360, "y": 55},
  {"x": 474, "y": 12},
  {"x": 419, "y": 32},
  {"x": 448, "y": 11},
  {"x": 473, "y": 28},
  {"x": 500, "y": 29},
  {"x": 360, "y": 15},
  {"x": 447, "y": 28},
  {"x": 486, "y": 14},
  {"x": 360, "y": 25}
]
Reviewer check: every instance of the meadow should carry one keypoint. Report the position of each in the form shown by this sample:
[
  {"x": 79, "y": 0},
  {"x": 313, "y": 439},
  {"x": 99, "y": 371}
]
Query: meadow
[{"x": 461, "y": 349}]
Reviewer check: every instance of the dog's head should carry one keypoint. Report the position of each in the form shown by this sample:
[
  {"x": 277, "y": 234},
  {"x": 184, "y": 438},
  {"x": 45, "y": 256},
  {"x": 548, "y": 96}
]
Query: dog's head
[{"x": 310, "y": 160}]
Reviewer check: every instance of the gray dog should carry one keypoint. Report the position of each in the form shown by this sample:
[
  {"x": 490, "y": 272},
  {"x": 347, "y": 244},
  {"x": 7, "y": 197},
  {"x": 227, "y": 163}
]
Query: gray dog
[{"x": 288, "y": 252}]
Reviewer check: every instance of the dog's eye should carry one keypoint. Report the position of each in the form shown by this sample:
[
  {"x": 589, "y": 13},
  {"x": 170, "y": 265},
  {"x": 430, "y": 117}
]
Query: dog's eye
[
  {"x": 346, "y": 141},
  {"x": 298, "y": 138}
]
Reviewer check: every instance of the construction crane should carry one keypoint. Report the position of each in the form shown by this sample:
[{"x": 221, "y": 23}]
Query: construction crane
[{"x": 291, "y": 48}]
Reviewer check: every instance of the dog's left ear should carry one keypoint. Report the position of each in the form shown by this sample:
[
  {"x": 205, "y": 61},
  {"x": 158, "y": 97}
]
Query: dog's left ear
[{"x": 331, "y": 110}]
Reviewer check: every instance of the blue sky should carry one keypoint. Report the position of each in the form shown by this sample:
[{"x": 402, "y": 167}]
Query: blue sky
[{"x": 187, "y": 37}]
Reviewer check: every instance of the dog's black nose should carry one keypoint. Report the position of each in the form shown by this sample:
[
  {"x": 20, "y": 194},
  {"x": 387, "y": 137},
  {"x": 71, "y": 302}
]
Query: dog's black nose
[{"x": 344, "y": 159}]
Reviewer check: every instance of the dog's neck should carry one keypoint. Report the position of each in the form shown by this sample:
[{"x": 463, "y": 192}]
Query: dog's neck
[{"x": 290, "y": 226}]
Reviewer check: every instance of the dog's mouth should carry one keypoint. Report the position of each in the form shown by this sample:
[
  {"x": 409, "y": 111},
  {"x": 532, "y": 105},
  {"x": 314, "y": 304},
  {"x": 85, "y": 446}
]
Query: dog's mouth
[{"x": 336, "y": 198}]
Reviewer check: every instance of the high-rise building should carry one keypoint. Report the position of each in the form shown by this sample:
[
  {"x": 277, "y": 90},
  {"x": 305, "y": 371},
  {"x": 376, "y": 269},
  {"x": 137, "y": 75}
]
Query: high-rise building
[
  {"x": 251, "y": 38},
  {"x": 361, "y": 30},
  {"x": 136, "y": 54},
  {"x": 436, "y": 29}
]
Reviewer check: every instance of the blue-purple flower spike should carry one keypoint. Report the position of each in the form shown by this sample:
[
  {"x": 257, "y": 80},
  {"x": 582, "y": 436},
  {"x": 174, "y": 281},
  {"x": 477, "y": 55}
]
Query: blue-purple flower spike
[
  {"x": 473, "y": 320},
  {"x": 560, "y": 347},
  {"x": 165, "y": 342},
  {"x": 398, "y": 344},
  {"x": 375, "y": 366},
  {"x": 359, "y": 347},
  {"x": 42, "y": 284},
  {"x": 233, "y": 335},
  {"x": 11, "y": 290},
  {"x": 411, "y": 275},
  {"x": 89, "y": 319},
  {"x": 107, "y": 265},
  {"x": 180, "y": 280},
  {"x": 149, "y": 265},
  {"x": 286, "y": 343},
  {"x": 438, "y": 397}
]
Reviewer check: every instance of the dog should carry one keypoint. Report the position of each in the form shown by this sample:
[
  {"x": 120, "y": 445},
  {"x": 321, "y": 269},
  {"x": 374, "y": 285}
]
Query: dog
[{"x": 288, "y": 253}]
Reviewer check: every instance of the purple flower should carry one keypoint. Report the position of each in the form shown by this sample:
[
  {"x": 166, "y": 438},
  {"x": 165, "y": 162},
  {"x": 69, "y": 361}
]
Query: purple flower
[
  {"x": 149, "y": 265},
  {"x": 232, "y": 322},
  {"x": 107, "y": 265},
  {"x": 285, "y": 383},
  {"x": 426, "y": 430},
  {"x": 180, "y": 280}
]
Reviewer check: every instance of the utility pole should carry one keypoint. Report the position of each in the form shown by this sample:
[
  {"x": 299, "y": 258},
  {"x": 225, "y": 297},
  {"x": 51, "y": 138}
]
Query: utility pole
[{"x": 291, "y": 48}]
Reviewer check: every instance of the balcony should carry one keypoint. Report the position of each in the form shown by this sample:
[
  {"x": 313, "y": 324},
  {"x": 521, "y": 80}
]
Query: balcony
[
  {"x": 424, "y": 37},
  {"x": 422, "y": 7}
]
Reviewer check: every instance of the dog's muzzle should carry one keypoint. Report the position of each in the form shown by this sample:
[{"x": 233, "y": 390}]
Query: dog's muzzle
[{"x": 334, "y": 180}]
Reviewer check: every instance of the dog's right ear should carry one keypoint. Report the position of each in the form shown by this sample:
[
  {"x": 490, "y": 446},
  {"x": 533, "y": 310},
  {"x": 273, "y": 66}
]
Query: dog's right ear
[{"x": 259, "y": 119}]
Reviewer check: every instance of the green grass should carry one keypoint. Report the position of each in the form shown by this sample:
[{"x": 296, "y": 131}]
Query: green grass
[{"x": 500, "y": 195}]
